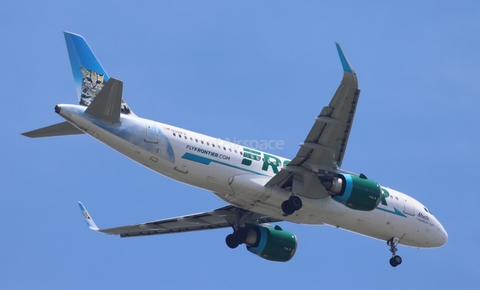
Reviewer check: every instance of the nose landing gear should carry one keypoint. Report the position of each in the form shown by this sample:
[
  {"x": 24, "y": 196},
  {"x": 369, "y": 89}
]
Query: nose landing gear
[{"x": 395, "y": 260}]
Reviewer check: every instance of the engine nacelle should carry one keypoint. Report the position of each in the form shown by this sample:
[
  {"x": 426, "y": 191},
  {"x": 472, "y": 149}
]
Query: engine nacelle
[
  {"x": 355, "y": 192},
  {"x": 271, "y": 243}
]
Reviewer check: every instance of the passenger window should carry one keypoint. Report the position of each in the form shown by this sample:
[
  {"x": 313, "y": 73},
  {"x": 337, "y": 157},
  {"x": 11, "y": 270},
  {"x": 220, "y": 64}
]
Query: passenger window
[
  {"x": 201, "y": 141},
  {"x": 174, "y": 134},
  {"x": 196, "y": 140},
  {"x": 180, "y": 136}
]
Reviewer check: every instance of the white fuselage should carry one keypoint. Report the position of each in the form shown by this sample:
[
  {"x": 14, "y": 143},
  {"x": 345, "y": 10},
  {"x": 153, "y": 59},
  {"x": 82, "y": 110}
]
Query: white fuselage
[{"x": 238, "y": 174}]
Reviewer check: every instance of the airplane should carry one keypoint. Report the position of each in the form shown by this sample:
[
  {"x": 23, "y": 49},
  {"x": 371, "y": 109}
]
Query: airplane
[{"x": 260, "y": 188}]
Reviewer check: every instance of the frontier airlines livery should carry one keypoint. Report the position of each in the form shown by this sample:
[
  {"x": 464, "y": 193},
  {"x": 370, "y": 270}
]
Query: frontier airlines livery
[{"x": 261, "y": 188}]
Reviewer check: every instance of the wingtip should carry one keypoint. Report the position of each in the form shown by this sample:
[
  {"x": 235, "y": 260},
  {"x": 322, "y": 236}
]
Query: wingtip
[
  {"x": 80, "y": 204},
  {"x": 345, "y": 63},
  {"x": 91, "y": 224}
]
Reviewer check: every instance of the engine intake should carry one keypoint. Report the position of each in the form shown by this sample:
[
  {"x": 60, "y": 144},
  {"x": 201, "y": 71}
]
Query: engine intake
[{"x": 355, "y": 192}]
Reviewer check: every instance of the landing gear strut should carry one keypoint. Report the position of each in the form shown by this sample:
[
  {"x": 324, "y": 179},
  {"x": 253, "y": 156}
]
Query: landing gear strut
[
  {"x": 291, "y": 205},
  {"x": 395, "y": 260},
  {"x": 240, "y": 233}
]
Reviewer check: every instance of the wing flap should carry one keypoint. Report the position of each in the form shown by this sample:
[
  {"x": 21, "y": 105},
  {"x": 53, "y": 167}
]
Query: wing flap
[{"x": 197, "y": 222}]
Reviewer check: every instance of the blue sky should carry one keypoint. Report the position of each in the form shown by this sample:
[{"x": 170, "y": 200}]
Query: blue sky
[{"x": 247, "y": 70}]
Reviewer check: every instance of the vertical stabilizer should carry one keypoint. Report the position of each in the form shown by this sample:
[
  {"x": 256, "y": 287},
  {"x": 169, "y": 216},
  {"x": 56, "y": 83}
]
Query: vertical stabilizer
[{"x": 88, "y": 74}]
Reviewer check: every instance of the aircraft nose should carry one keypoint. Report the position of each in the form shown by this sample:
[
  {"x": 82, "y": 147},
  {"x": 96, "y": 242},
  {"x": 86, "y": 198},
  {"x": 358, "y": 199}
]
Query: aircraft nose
[{"x": 442, "y": 236}]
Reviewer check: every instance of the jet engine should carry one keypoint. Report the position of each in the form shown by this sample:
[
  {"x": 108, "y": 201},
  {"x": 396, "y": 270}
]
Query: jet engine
[
  {"x": 271, "y": 243},
  {"x": 355, "y": 192}
]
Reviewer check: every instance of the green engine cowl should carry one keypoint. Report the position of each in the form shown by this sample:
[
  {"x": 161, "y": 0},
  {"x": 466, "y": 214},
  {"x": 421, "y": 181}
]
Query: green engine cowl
[
  {"x": 355, "y": 192},
  {"x": 271, "y": 243}
]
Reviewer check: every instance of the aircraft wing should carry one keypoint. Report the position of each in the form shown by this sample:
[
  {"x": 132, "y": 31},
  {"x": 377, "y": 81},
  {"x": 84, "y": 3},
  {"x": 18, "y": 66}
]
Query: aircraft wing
[
  {"x": 219, "y": 218},
  {"x": 325, "y": 145}
]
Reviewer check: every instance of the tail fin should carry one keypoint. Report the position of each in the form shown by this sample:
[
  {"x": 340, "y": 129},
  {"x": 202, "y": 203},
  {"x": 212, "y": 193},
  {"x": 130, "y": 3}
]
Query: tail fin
[{"x": 88, "y": 74}]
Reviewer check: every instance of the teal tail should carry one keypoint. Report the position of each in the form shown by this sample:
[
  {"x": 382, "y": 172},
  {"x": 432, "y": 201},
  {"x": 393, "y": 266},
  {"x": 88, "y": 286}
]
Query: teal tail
[{"x": 88, "y": 74}]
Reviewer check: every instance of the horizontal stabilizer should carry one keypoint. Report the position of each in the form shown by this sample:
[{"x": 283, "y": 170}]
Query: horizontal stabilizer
[
  {"x": 107, "y": 105},
  {"x": 60, "y": 129}
]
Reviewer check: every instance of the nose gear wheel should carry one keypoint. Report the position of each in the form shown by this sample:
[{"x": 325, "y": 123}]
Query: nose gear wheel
[{"x": 395, "y": 260}]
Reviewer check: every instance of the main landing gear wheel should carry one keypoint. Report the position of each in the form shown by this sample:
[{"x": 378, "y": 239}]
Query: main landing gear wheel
[
  {"x": 238, "y": 237},
  {"x": 286, "y": 208},
  {"x": 231, "y": 241},
  {"x": 395, "y": 260},
  {"x": 291, "y": 205}
]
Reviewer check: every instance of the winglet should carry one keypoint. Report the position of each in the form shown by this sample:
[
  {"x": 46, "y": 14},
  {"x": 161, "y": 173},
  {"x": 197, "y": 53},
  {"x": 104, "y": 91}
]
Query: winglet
[
  {"x": 91, "y": 224},
  {"x": 345, "y": 63}
]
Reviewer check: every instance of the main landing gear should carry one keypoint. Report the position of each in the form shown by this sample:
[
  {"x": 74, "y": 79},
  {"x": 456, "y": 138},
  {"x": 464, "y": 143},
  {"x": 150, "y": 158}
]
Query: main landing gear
[
  {"x": 291, "y": 205},
  {"x": 238, "y": 237},
  {"x": 240, "y": 233},
  {"x": 395, "y": 260}
]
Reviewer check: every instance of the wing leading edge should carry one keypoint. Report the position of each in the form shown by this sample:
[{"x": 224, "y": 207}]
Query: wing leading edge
[
  {"x": 324, "y": 147},
  {"x": 216, "y": 219}
]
